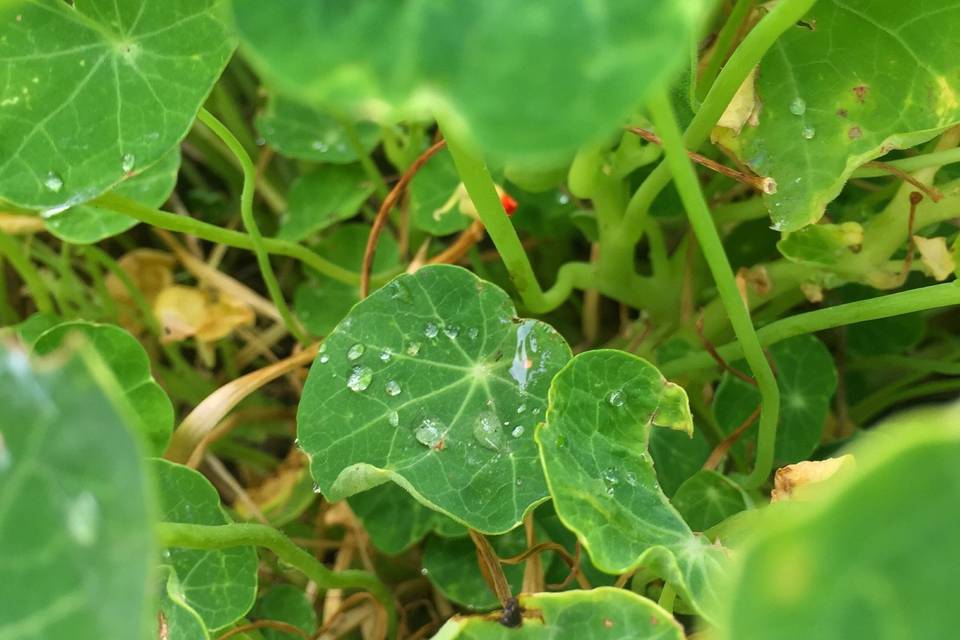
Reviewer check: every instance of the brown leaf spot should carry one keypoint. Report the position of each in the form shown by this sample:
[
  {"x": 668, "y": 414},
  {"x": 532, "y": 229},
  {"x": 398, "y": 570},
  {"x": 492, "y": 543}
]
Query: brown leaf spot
[
  {"x": 608, "y": 623},
  {"x": 854, "y": 132},
  {"x": 860, "y": 92},
  {"x": 842, "y": 113}
]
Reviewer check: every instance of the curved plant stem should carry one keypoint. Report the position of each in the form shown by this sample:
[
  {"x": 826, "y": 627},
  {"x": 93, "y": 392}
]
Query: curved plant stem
[
  {"x": 728, "y": 33},
  {"x": 246, "y": 213},
  {"x": 783, "y": 16},
  {"x": 10, "y": 249},
  {"x": 197, "y": 536},
  {"x": 228, "y": 237},
  {"x": 894, "y": 304},
  {"x": 703, "y": 227}
]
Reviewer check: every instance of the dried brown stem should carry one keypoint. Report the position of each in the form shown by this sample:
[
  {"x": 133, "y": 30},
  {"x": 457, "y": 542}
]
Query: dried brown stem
[
  {"x": 931, "y": 192},
  {"x": 490, "y": 567},
  {"x": 459, "y": 248},
  {"x": 712, "y": 350},
  {"x": 265, "y": 624},
  {"x": 724, "y": 446}
]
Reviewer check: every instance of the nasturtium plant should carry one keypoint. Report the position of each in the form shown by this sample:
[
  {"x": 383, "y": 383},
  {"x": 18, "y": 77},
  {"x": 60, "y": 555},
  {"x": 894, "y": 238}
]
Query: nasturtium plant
[
  {"x": 478, "y": 319},
  {"x": 435, "y": 384}
]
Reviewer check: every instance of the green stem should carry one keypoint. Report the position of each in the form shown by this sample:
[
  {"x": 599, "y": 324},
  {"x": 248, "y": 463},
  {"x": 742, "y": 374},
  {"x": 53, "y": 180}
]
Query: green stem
[
  {"x": 197, "y": 536},
  {"x": 10, "y": 249},
  {"x": 783, "y": 16},
  {"x": 237, "y": 239},
  {"x": 366, "y": 162},
  {"x": 725, "y": 38},
  {"x": 878, "y": 403},
  {"x": 246, "y": 213},
  {"x": 894, "y": 304},
  {"x": 685, "y": 179}
]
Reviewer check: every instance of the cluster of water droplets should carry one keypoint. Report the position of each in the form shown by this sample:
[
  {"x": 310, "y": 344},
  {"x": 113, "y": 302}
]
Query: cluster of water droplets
[{"x": 798, "y": 107}]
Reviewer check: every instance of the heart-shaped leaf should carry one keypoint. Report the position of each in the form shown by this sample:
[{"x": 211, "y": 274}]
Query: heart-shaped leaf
[
  {"x": 219, "y": 584},
  {"x": 852, "y": 82},
  {"x": 130, "y": 366},
  {"x": 707, "y": 498},
  {"x": 871, "y": 555},
  {"x": 585, "y": 615},
  {"x": 322, "y": 197},
  {"x": 97, "y": 89},
  {"x": 604, "y": 488},
  {"x": 575, "y": 56},
  {"x": 75, "y": 505},
  {"x": 286, "y": 603},
  {"x": 433, "y": 383}
]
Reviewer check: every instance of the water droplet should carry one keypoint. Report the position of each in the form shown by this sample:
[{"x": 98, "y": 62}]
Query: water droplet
[
  {"x": 355, "y": 351},
  {"x": 431, "y": 330},
  {"x": 451, "y": 331},
  {"x": 521, "y": 365},
  {"x": 393, "y": 418},
  {"x": 316, "y": 488},
  {"x": 610, "y": 476},
  {"x": 616, "y": 398},
  {"x": 424, "y": 571},
  {"x": 808, "y": 133},
  {"x": 561, "y": 441},
  {"x": 399, "y": 291},
  {"x": 563, "y": 198},
  {"x": 385, "y": 356},
  {"x": 488, "y": 431},
  {"x": 413, "y": 348},
  {"x": 521, "y": 408},
  {"x": 393, "y": 388},
  {"x": 324, "y": 358},
  {"x": 53, "y": 182},
  {"x": 631, "y": 478},
  {"x": 83, "y": 519},
  {"x": 517, "y": 431},
  {"x": 128, "y": 162},
  {"x": 473, "y": 333},
  {"x": 798, "y": 106},
  {"x": 360, "y": 378},
  {"x": 319, "y": 145},
  {"x": 429, "y": 433}
]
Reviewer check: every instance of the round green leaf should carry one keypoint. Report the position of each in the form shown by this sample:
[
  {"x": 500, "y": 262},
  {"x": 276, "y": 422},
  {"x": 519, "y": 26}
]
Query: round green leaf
[
  {"x": 180, "y": 621},
  {"x": 604, "y": 488},
  {"x": 289, "y": 604},
  {"x": 527, "y": 80},
  {"x": 807, "y": 379},
  {"x": 433, "y": 383},
  {"x": 219, "y": 584},
  {"x": 299, "y": 131},
  {"x": 677, "y": 456},
  {"x": 395, "y": 521},
  {"x": 97, "y": 89},
  {"x": 322, "y": 197},
  {"x": 605, "y": 612},
  {"x": 433, "y": 191},
  {"x": 85, "y": 224},
  {"x": 873, "y": 555},
  {"x": 867, "y": 78},
  {"x": 130, "y": 366},
  {"x": 75, "y": 510},
  {"x": 708, "y": 498}
]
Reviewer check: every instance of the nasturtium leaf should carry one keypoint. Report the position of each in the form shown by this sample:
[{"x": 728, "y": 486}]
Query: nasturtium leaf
[
  {"x": 85, "y": 224},
  {"x": 395, "y": 521},
  {"x": 76, "y": 515},
  {"x": 219, "y": 584},
  {"x": 871, "y": 555},
  {"x": 604, "y": 612},
  {"x": 708, "y": 498},
  {"x": 435, "y": 196},
  {"x": 322, "y": 302},
  {"x": 677, "y": 456},
  {"x": 130, "y": 366},
  {"x": 33, "y": 327},
  {"x": 823, "y": 245},
  {"x": 285, "y": 603},
  {"x": 451, "y": 564},
  {"x": 323, "y": 197},
  {"x": 867, "y": 78},
  {"x": 175, "y": 617},
  {"x": 807, "y": 379},
  {"x": 527, "y": 80},
  {"x": 97, "y": 89},
  {"x": 302, "y": 132},
  {"x": 895, "y": 334},
  {"x": 601, "y": 478},
  {"x": 433, "y": 383}
]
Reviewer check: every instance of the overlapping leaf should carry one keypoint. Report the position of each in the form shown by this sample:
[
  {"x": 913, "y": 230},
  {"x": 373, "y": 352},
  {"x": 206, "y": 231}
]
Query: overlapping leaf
[
  {"x": 323, "y": 197},
  {"x": 433, "y": 383},
  {"x": 854, "y": 81},
  {"x": 75, "y": 506},
  {"x": 707, "y": 498},
  {"x": 463, "y": 59},
  {"x": 594, "y": 451},
  {"x": 97, "y": 89}
]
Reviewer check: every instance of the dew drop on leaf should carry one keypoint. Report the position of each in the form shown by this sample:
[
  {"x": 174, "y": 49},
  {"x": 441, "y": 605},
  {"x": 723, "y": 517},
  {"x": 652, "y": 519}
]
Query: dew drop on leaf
[
  {"x": 399, "y": 291},
  {"x": 319, "y": 145},
  {"x": 798, "y": 106},
  {"x": 808, "y": 133},
  {"x": 429, "y": 433},
  {"x": 413, "y": 348},
  {"x": 431, "y": 330},
  {"x": 83, "y": 519},
  {"x": 355, "y": 351},
  {"x": 616, "y": 398},
  {"x": 128, "y": 162},
  {"x": 53, "y": 182},
  {"x": 521, "y": 365},
  {"x": 393, "y": 388},
  {"x": 521, "y": 408},
  {"x": 360, "y": 378},
  {"x": 473, "y": 333},
  {"x": 316, "y": 488},
  {"x": 385, "y": 356},
  {"x": 451, "y": 331},
  {"x": 324, "y": 358},
  {"x": 393, "y": 418},
  {"x": 631, "y": 478},
  {"x": 517, "y": 431},
  {"x": 488, "y": 430}
]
